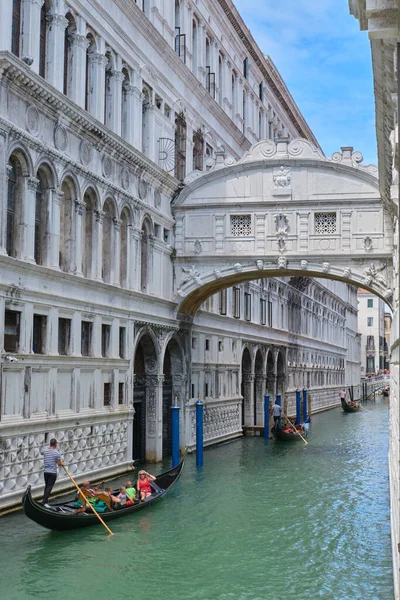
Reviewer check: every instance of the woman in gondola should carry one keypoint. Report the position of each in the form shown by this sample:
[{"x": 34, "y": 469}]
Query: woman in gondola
[{"x": 143, "y": 484}]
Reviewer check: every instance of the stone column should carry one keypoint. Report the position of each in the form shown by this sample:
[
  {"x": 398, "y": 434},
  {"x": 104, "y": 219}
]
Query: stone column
[
  {"x": 154, "y": 394},
  {"x": 6, "y": 24},
  {"x": 53, "y": 331},
  {"x": 75, "y": 345},
  {"x": 53, "y": 247},
  {"x": 116, "y": 258},
  {"x": 79, "y": 211},
  {"x": 260, "y": 391},
  {"x": 137, "y": 112},
  {"x": 77, "y": 69},
  {"x": 96, "y": 76},
  {"x": 128, "y": 114},
  {"x": 113, "y": 116},
  {"x": 4, "y": 172},
  {"x": 189, "y": 150},
  {"x": 136, "y": 237},
  {"x": 30, "y": 33},
  {"x": 97, "y": 254},
  {"x": 248, "y": 398},
  {"x": 55, "y": 50},
  {"x": 26, "y": 227}
]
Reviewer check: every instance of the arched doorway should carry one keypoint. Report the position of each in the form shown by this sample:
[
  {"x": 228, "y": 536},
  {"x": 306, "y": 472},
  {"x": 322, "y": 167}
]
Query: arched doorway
[
  {"x": 246, "y": 390},
  {"x": 259, "y": 384},
  {"x": 144, "y": 396}
]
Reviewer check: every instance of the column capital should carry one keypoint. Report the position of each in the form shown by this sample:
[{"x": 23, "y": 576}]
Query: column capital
[
  {"x": 32, "y": 183},
  {"x": 57, "y": 20},
  {"x": 98, "y": 58},
  {"x": 99, "y": 215},
  {"x": 79, "y": 207},
  {"x": 79, "y": 40}
]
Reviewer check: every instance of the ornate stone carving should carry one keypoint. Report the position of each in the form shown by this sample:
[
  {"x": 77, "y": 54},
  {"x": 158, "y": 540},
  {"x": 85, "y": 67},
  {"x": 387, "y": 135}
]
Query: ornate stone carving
[
  {"x": 107, "y": 166},
  {"x": 198, "y": 247},
  {"x": 372, "y": 275},
  {"x": 304, "y": 265},
  {"x": 142, "y": 189},
  {"x": 60, "y": 137},
  {"x": 281, "y": 225},
  {"x": 217, "y": 274},
  {"x": 282, "y": 262},
  {"x": 282, "y": 177},
  {"x": 260, "y": 265},
  {"x": 368, "y": 243},
  {"x": 326, "y": 267},
  {"x": 238, "y": 267},
  {"x": 125, "y": 178},
  {"x": 85, "y": 152},
  {"x": 32, "y": 120},
  {"x": 192, "y": 274}
]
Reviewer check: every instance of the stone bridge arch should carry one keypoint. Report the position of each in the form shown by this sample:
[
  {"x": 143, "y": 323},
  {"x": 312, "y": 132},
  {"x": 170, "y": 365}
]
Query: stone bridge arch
[{"x": 284, "y": 209}]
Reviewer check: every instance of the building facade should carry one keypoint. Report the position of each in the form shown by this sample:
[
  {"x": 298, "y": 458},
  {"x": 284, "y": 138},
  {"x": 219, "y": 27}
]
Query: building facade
[
  {"x": 371, "y": 326},
  {"x": 103, "y": 114}
]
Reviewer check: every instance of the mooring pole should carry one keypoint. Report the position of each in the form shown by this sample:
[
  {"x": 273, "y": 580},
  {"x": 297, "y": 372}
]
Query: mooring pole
[
  {"x": 175, "y": 433},
  {"x": 266, "y": 416},
  {"x": 199, "y": 432},
  {"x": 304, "y": 404},
  {"x": 298, "y": 407},
  {"x": 279, "y": 401}
]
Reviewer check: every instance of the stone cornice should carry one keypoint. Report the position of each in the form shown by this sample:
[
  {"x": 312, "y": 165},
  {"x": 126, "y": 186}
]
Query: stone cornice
[
  {"x": 269, "y": 71},
  {"x": 22, "y": 76}
]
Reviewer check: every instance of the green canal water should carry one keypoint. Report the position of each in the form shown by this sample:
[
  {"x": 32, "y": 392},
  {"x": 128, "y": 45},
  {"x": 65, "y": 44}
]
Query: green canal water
[{"x": 259, "y": 522}]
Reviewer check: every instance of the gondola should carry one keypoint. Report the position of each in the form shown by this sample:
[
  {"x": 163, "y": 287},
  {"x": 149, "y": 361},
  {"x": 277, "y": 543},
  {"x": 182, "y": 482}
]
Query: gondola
[
  {"x": 350, "y": 407},
  {"x": 282, "y": 434},
  {"x": 62, "y": 517},
  {"x": 386, "y": 391}
]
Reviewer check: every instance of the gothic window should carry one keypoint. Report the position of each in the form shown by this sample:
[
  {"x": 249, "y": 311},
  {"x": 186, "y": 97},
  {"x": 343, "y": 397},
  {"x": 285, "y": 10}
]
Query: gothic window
[
  {"x": 42, "y": 42},
  {"x": 244, "y": 110},
  {"x": 88, "y": 234},
  {"x": 194, "y": 47},
  {"x": 260, "y": 134},
  {"x": 70, "y": 30},
  {"x": 41, "y": 211},
  {"x": 11, "y": 209},
  {"x": 145, "y": 258},
  {"x": 16, "y": 27},
  {"x": 198, "y": 151},
  {"x": 325, "y": 223},
  {"x": 233, "y": 96},
  {"x": 240, "y": 225},
  {"x": 263, "y": 311},
  {"x": 180, "y": 147},
  {"x": 107, "y": 245},
  {"x": 124, "y": 240},
  {"x": 67, "y": 208},
  {"x": 126, "y": 84}
]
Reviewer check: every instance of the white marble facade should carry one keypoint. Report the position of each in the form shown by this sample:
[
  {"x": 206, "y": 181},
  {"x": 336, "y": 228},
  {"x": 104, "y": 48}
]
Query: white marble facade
[{"x": 102, "y": 114}]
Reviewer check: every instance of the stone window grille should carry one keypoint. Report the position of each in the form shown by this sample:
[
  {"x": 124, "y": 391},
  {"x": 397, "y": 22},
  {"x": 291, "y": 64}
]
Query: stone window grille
[
  {"x": 325, "y": 223},
  {"x": 240, "y": 225}
]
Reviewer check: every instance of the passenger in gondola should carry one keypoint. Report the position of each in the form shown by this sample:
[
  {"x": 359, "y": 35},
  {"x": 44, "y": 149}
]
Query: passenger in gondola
[
  {"x": 123, "y": 497},
  {"x": 130, "y": 490},
  {"x": 143, "y": 484}
]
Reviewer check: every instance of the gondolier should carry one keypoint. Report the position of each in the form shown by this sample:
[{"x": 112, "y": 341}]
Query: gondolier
[
  {"x": 276, "y": 412},
  {"x": 51, "y": 460}
]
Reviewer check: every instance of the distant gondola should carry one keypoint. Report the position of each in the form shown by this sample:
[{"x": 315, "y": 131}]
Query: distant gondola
[
  {"x": 62, "y": 517},
  {"x": 287, "y": 434},
  {"x": 350, "y": 407},
  {"x": 386, "y": 391}
]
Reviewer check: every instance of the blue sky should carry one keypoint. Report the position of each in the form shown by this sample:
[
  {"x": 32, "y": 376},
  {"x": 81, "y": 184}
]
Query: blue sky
[{"x": 325, "y": 61}]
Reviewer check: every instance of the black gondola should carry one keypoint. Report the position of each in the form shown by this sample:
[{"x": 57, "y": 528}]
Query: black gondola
[
  {"x": 282, "y": 434},
  {"x": 350, "y": 407},
  {"x": 386, "y": 391},
  {"x": 62, "y": 517}
]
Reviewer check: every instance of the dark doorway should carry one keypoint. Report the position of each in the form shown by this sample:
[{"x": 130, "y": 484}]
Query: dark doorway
[{"x": 167, "y": 401}]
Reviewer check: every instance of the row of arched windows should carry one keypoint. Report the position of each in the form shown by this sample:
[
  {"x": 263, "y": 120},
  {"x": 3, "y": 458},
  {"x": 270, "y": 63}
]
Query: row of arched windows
[{"x": 93, "y": 242}]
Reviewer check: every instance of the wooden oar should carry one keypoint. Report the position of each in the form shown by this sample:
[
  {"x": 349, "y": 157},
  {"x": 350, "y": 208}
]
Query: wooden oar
[
  {"x": 294, "y": 427},
  {"x": 85, "y": 500},
  {"x": 366, "y": 410}
]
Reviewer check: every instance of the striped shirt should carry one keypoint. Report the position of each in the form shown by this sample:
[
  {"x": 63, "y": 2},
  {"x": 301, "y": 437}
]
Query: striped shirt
[{"x": 50, "y": 458}]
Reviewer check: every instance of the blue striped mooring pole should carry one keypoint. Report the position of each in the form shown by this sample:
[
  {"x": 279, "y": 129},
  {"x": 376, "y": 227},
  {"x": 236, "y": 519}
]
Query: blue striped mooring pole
[
  {"x": 298, "y": 407},
  {"x": 199, "y": 432},
  {"x": 175, "y": 433},
  {"x": 304, "y": 404},
  {"x": 266, "y": 416},
  {"x": 279, "y": 400}
]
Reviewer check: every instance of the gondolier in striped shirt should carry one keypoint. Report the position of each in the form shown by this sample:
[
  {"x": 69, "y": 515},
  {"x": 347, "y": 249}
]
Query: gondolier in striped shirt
[{"x": 51, "y": 460}]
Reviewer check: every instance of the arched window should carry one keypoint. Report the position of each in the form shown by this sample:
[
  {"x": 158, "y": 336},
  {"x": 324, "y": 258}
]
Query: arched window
[
  {"x": 123, "y": 265},
  {"x": 16, "y": 27},
  {"x": 40, "y": 219},
  {"x": 70, "y": 30},
  {"x": 220, "y": 81},
  {"x": 107, "y": 245},
  {"x": 87, "y": 232},
  {"x": 145, "y": 121},
  {"x": 11, "y": 233},
  {"x": 126, "y": 84},
  {"x": 107, "y": 90},
  {"x": 194, "y": 49},
  {"x": 233, "y": 96},
  {"x": 145, "y": 257},
  {"x": 42, "y": 42},
  {"x": 89, "y": 94},
  {"x": 67, "y": 208}
]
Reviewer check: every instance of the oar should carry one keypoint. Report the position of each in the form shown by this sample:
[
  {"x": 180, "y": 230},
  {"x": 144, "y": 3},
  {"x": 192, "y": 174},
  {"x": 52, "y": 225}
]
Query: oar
[
  {"x": 84, "y": 500},
  {"x": 305, "y": 441},
  {"x": 366, "y": 410}
]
